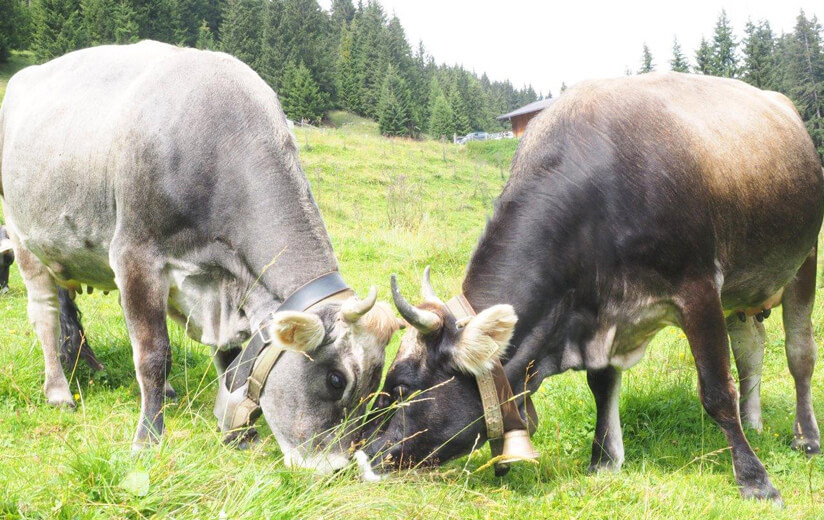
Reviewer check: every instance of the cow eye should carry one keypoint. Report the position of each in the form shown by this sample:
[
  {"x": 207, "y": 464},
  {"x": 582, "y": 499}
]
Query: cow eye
[
  {"x": 399, "y": 392},
  {"x": 336, "y": 380}
]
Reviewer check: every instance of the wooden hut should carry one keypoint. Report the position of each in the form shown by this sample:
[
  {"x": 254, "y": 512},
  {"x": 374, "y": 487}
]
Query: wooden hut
[{"x": 520, "y": 117}]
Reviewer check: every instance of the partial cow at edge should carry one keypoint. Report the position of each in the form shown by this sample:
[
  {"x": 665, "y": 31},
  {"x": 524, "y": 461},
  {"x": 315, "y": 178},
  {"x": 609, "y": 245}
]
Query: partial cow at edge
[
  {"x": 633, "y": 204},
  {"x": 170, "y": 175}
]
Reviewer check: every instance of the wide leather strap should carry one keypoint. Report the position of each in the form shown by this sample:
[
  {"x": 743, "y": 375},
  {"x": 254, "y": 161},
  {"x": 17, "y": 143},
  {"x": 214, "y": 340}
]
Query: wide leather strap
[
  {"x": 315, "y": 291},
  {"x": 501, "y": 413}
]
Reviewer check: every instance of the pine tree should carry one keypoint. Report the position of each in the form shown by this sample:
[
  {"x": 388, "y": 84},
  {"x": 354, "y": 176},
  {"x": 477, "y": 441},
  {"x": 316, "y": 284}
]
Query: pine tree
[
  {"x": 758, "y": 49},
  {"x": 7, "y": 11},
  {"x": 205, "y": 38},
  {"x": 58, "y": 28},
  {"x": 704, "y": 58},
  {"x": 805, "y": 72},
  {"x": 563, "y": 87},
  {"x": 297, "y": 30},
  {"x": 157, "y": 19},
  {"x": 98, "y": 20},
  {"x": 271, "y": 62},
  {"x": 12, "y": 24},
  {"x": 460, "y": 119},
  {"x": 441, "y": 123},
  {"x": 189, "y": 18},
  {"x": 341, "y": 14},
  {"x": 421, "y": 77},
  {"x": 393, "y": 112},
  {"x": 724, "y": 60},
  {"x": 125, "y": 26},
  {"x": 240, "y": 32},
  {"x": 679, "y": 62},
  {"x": 346, "y": 74},
  {"x": 300, "y": 96},
  {"x": 369, "y": 56},
  {"x": 646, "y": 61},
  {"x": 399, "y": 56}
]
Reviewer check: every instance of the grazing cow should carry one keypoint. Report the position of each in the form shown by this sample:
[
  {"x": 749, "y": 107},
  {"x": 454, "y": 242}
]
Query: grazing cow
[
  {"x": 170, "y": 175},
  {"x": 633, "y": 204}
]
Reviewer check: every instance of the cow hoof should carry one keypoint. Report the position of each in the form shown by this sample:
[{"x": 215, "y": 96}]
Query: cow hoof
[
  {"x": 62, "y": 403},
  {"x": 170, "y": 394},
  {"x": 241, "y": 439},
  {"x": 60, "y": 398},
  {"x": 752, "y": 424},
  {"x": 806, "y": 446},
  {"x": 767, "y": 492},
  {"x": 139, "y": 447}
]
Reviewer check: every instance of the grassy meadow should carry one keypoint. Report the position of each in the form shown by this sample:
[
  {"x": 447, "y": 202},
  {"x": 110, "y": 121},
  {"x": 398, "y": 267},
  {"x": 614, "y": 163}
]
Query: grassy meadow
[{"x": 390, "y": 206}]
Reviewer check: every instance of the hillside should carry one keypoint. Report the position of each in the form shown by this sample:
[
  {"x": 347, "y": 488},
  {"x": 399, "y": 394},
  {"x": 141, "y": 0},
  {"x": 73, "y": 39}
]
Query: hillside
[{"x": 390, "y": 206}]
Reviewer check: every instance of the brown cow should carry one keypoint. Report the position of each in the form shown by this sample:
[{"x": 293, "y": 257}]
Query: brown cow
[{"x": 633, "y": 204}]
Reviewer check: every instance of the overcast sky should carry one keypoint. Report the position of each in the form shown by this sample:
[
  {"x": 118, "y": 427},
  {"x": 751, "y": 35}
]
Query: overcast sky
[{"x": 545, "y": 43}]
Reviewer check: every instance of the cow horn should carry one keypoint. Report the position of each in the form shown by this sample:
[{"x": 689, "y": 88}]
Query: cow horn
[
  {"x": 353, "y": 309},
  {"x": 425, "y": 321},
  {"x": 427, "y": 291}
]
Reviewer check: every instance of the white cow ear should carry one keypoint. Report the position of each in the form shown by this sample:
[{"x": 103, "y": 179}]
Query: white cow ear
[
  {"x": 299, "y": 331},
  {"x": 484, "y": 339},
  {"x": 5, "y": 245}
]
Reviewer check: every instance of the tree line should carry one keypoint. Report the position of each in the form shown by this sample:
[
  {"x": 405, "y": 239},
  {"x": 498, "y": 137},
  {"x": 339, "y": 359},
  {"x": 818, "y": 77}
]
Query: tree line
[
  {"x": 791, "y": 63},
  {"x": 353, "y": 57}
]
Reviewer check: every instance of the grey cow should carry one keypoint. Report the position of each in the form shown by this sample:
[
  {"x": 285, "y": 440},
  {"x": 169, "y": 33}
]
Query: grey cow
[{"x": 170, "y": 175}]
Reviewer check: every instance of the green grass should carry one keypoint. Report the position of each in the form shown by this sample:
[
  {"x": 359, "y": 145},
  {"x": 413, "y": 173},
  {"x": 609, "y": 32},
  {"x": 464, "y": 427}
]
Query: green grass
[
  {"x": 497, "y": 153},
  {"x": 59, "y": 464}
]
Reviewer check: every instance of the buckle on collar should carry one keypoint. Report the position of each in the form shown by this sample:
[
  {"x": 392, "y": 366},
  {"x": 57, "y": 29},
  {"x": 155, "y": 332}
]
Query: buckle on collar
[{"x": 263, "y": 332}]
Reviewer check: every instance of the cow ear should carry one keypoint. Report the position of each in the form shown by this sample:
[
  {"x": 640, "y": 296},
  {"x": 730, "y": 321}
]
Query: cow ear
[
  {"x": 484, "y": 340},
  {"x": 299, "y": 331}
]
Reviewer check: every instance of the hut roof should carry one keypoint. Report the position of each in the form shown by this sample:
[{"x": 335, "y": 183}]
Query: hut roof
[{"x": 535, "y": 106}]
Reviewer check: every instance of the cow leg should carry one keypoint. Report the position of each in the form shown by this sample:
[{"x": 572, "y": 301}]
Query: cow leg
[
  {"x": 797, "y": 304},
  {"x": 44, "y": 315},
  {"x": 608, "y": 444},
  {"x": 747, "y": 340},
  {"x": 4, "y": 274},
  {"x": 144, "y": 296},
  {"x": 702, "y": 319}
]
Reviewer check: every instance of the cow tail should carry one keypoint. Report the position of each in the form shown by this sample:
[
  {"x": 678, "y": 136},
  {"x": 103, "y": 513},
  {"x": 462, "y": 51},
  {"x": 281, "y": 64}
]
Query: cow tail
[{"x": 72, "y": 336}]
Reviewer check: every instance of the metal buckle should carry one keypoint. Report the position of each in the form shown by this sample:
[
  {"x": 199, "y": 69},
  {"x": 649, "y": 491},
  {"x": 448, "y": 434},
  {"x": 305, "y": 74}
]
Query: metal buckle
[{"x": 265, "y": 336}]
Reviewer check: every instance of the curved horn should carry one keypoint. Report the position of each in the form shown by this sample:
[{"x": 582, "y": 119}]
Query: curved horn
[
  {"x": 353, "y": 309},
  {"x": 427, "y": 291},
  {"x": 425, "y": 321}
]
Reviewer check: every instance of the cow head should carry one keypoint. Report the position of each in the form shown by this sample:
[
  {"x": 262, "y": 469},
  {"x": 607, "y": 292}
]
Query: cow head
[
  {"x": 430, "y": 409},
  {"x": 320, "y": 385},
  {"x": 6, "y": 259}
]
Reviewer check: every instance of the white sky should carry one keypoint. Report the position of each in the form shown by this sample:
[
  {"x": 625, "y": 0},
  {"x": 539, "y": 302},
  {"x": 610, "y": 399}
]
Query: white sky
[{"x": 545, "y": 42}]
